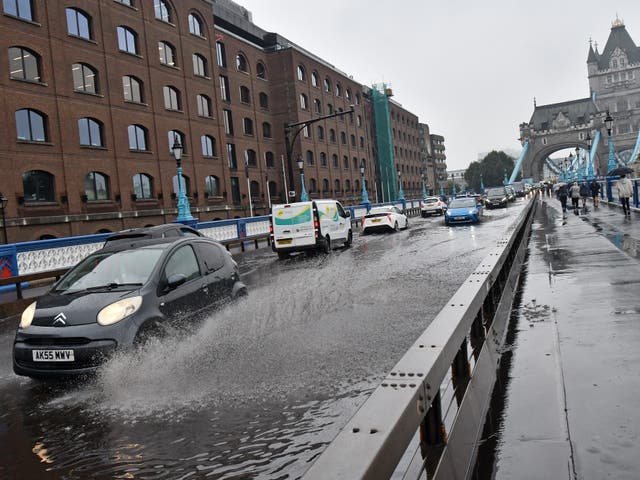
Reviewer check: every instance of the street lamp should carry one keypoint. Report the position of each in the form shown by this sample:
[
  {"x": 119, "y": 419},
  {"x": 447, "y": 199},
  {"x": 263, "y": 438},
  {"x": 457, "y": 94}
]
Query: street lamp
[
  {"x": 608, "y": 123},
  {"x": 365, "y": 196},
  {"x": 303, "y": 193},
  {"x": 3, "y": 205},
  {"x": 424, "y": 187},
  {"x": 589, "y": 161},
  {"x": 453, "y": 186},
  {"x": 481, "y": 185},
  {"x": 184, "y": 212},
  {"x": 400, "y": 192},
  {"x": 571, "y": 167}
]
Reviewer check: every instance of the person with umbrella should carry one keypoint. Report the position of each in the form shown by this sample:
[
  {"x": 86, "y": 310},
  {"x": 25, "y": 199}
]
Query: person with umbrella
[{"x": 625, "y": 190}]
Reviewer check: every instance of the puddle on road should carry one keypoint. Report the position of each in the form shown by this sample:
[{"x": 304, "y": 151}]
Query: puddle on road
[{"x": 622, "y": 241}]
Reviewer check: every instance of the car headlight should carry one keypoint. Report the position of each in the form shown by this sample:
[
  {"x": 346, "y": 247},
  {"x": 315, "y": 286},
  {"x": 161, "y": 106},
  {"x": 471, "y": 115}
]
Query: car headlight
[
  {"x": 27, "y": 315},
  {"x": 119, "y": 310},
  {"x": 447, "y": 213},
  {"x": 472, "y": 212}
]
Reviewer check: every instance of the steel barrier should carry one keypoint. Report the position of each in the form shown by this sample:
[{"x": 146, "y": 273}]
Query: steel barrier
[{"x": 419, "y": 417}]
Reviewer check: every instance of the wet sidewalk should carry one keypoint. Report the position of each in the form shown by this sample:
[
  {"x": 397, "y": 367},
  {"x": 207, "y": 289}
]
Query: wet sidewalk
[{"x": 572, "y": 394}]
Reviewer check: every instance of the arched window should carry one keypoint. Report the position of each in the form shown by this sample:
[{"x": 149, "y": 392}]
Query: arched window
[
  {"x": 137, "y": 138},
  {"x": 303, "y": 102},
  {"x": 85, "y": 78},
  {"x": 247, "y": 125},
  {"x": 172, "y": 135},
  {"x": 353, "y": 140},
  {"x": 356, "y": 185},
  {"x": 195, "y": 25},
  {"x": 221, "y": 55},
  {"x": 167, "y": 54},
  {"x": 24, "y": 64},
  {"x": 327, "y": 85},
  {"x": 329, "y": 109},
  {"x": 161, "y": 10},
  {"x": 261, "y": 71},
  {"x": 325, "y": 185},
  {"x": 357, "y": 99},
  {"x": 172, "y": 100},
  {"x": 212, "y": 186},
  {"x": 309, "y": 157},
  {"x": 31, "y": 125},
  {"x": 266, "y": 129},
  {"x": 323, "y": 159},
  {"x": 204, "y": 105},
  {"x": 127, "y": 40},
  {"x": 250, "y": 158},
  {"x": 347, "y": 94},
  {"x": 78, "y": 23},
  {"x": 96, "y": 186},
  {"x": 315, "y": 81},
  {"x": 332, "y": 135},
  {"x": 320, "y": 132},
  {"x": 334, "y": 159},
  {"x": 208, "y": 146},
  {"x": 38, "y": 186},
  {"x": 245, "y": 94},
  {"x": 264, "y": 100},
  {"x": 312, "y": 185},
  {"x": 301, "y": 73},
  {"x": 336, "y": 185},
  {"x": 90, "y": 131},
  {"x": 355, "y": 163},
  {"x": 273, "y": 188},
  {"x": 359, "y": 121},
  {"x": 338, "y": 90},
  {"x": 186, "y": 184},
  {"x": 317, "y": 105},
  {"x": 132, "y": 88},
  {"x": 200, "y": 65},
  {"x": 254, "y": 189},
  {"x": 347, "y": 185},
  {"x": 343, "y": 138},
  {"x": 18, "y": 8},
  {"x": 241, "y": 63},
  {"x": 269, "y": 159},
  {"x": 345, "y": 162}
]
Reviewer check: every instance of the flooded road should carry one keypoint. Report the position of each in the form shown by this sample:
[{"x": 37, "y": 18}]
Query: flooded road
[{"x": 258, "y": 389}]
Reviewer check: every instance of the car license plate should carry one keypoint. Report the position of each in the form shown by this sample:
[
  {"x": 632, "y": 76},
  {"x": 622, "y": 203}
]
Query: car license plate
[
  {"x": 52, "y": 355},
  {"x": 375, "y": 220},
  {"x": 460, "y": 218},
  {"x": 284, "y": 242}
]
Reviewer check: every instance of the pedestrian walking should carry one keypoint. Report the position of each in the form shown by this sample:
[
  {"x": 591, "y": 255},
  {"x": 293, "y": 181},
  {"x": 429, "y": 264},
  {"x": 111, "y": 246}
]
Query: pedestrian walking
[
  {"x": 561, "y": 193},
  {"x": 594, "y": 186},
  {"x": 625, "y": 190},
  {"x": 585, "y": 192},
  {"x": 574, "y": 193}
]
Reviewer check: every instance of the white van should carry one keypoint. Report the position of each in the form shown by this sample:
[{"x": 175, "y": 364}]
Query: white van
[{"x": 314, "y": 225}]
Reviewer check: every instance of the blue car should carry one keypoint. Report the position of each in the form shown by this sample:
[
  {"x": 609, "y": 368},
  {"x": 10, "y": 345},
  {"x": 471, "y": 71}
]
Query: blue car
[{"x": 463, "y": 210}]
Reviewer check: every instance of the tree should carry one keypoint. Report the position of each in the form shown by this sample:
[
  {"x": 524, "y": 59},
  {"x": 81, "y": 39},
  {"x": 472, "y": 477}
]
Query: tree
[{"x": 492, "y": 168}]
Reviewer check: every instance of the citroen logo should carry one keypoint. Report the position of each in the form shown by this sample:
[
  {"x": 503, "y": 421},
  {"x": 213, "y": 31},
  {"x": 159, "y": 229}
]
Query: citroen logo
[{"x": 59, "y": 320}]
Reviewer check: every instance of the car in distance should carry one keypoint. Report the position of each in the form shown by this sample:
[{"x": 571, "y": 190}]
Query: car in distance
[
  {"x": 168, "y": 230},
  {"x": 388, "y": 217},
  {"x": 119, "y": 297},
  {"x": 432, "y": 206},
  {"x": 463, "y": 210},
  {"x": 496, "y": 197}
]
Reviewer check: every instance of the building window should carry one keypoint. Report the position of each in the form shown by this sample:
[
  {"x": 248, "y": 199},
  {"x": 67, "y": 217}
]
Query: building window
[
  {"x": 85, "y": 78},
  {"x": 132, "y": 88},
  {"x": 343, "y": 138},
  {"x": 353, "y": 140},
  {"x": 320, "y": 132},
  {"x": 306, "y": 132},
  {"x": 310, "y": 159},
  {"x": 301, "y": 73},
  {"x": 329, "y": 109},
  {"x": 347, "y": 95},
  {"x": 241, "y": 63},
  {"x": 338, "y": 90},
  {"x": 325, "y": 185},
  {"x": 172, "y": 136},
  {"x": 323, "y": 159},
  {"x": 90, "y": 132},
  {"x": 347, "y": 185},
  {"x": 336, "y": 185},
  {"x": 317, "y": 105},
  {"x": 31, "y": 125},
  {"x": 345, "y": 162},
  {"x": 171, "y": 98},
  {"x": 235, "y": 190},
  {"x": 314, "y": 79},
  {"x": 38, "y": 186},
  {"x": 245, "y": 94},
  {"x": 167, "y": 54},
  {"x": 361, "y": 142},
  {"x": 24, "y": 64},
  {"x": 266, "y": 129},
  {"x": 126, "y": 2},
  {"x": 312, "y": 185},
  {"x": 261, "y": 71},
  {"x": 355, "y": 163},
  {"x": 127, "y": 40},
  {"x": 327, "y": 85},
  {"x": 357, "y": 99},
  {"x": 269, "y": 159},
  {"x": 303, "y": 102},
  {"x": 162, "y": 11},
  {"x": 137, "y": 138},
  {"x": 195, "y": 25},
  {"x": 224, "y": 89},
  {"x": 254, "y": 189},
  {"x": 204, "y": 105},
  {"x": 78, "y": 23},
  {"x": 96, "y": 186},
  {"x": 264, "y": 100},
  {"x": 332, "y": 135},
  {"x": 250, "y": 159},
  {"x": 232, "y": 161},
  {"x": 221, "y": 55},
  {"x": 212, "y": 186},
  {"x": 186, "y": 184},
  {"x": 199, "y": 65},
  {"x": 359, "y": 121},
  {"x": 247, "y": 126},
  {"x": 18, "y": 8},
  {"x": 228, "y": 122},
  {"x": 334, "y": 159},
  {"x": 143, "y": 185},
  {"x": 208, "y": 146}
]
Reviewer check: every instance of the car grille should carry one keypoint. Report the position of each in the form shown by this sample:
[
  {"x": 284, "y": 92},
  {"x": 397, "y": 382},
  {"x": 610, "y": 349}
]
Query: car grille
[{"x": 57, "y": 342}]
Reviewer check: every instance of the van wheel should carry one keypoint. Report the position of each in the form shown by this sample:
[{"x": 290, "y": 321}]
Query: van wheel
[
  {"x": 283, "y": 255},
  {"x": 349, "y": 239},
  {"x": 326, "y": 248}
]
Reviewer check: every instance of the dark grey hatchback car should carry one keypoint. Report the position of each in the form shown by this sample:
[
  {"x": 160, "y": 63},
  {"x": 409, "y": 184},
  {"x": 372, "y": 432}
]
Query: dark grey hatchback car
[{"x": 119, "y": 296}]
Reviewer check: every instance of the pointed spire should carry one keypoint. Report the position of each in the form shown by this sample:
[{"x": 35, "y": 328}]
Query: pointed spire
[
  {"x": 534, "y": 102},
  {"x": 592, "y": 57}
]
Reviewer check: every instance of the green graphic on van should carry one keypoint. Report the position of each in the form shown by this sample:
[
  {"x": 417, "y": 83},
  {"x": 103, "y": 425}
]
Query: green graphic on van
[
  {"x": 332, "y": 213},
  {"x": 303, "y": 216}
]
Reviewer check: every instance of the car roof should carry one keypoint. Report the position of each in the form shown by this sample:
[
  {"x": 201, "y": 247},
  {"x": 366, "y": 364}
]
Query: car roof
[
  {"x": 157, "y": 231},
  {"x": 150, "y": 242}
]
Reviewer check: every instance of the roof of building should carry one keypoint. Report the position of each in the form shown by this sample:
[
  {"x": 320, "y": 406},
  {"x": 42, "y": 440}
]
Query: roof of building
[
  {"x": 563, "y": 114},
  {"x": 618, "y": 38}
]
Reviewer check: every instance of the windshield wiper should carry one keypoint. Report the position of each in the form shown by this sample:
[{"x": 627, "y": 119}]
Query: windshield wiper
[{"x": 107, "y": 287}]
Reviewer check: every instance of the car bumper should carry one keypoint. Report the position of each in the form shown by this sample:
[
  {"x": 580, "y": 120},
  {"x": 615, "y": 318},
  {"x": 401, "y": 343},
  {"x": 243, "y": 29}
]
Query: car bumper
[
  {"x": 376, "y": 227},
  {"x": 461, "y": 219},
  {"x": 431, "y": 211}
]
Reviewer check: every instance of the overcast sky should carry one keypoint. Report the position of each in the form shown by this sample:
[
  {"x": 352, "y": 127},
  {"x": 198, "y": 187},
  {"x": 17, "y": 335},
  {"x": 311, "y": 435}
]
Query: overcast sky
[{"x": 469, "y": 69}]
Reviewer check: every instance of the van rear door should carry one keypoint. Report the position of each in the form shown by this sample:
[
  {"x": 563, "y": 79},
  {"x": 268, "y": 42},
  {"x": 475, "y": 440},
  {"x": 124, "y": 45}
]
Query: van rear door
[{"x": 293, "y": 225}]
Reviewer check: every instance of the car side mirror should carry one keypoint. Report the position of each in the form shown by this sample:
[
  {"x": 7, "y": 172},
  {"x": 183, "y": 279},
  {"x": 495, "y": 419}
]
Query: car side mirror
[
  {"x": 175, "y": 280},
  {"x": 347, "y": 214}
]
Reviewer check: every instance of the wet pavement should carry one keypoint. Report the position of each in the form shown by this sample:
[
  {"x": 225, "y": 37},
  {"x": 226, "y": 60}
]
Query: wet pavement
[{"x": 571, "y": 393}]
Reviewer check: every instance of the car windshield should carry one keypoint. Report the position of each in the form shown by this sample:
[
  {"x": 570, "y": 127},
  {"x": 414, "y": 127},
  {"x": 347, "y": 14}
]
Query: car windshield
[
  {"x": 111, "y": 270},
  {"x": 380, "y": 210},
  {"x": 495, "y": 192},
  {"x": 431, "y": 200},
  {"x": 462, "y": 202}
]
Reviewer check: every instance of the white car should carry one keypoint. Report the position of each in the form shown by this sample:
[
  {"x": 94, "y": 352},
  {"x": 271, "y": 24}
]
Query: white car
[
  {"x": 384, "y": 218},
  {"x": 432, "y": 206}
]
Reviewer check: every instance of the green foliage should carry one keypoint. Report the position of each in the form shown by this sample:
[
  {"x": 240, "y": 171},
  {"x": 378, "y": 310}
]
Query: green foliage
[{"x": 492, "y": 168}]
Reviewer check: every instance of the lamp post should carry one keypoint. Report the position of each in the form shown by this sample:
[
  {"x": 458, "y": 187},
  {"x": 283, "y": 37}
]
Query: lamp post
[
  {"x": 184, "y": 212},
  {"x": 3, "y": 206},
  {"x": 424, "y": 187},
  {"x": 571, "y": 167},
  {"x": 303, "y": 193},
  {"x": 246, "y": 174},
  {"x": 608, "y": 123},
  {"x": 400, "y": 192},
  {"x": 578, "y": 166},
  {"x": 441, "y": 187},
  {"x": 453, "y": 185},
  {"x": 481, "y": 184},
  {"x": 365, "y": 195},
  {"x": 589, "y": 160}
]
